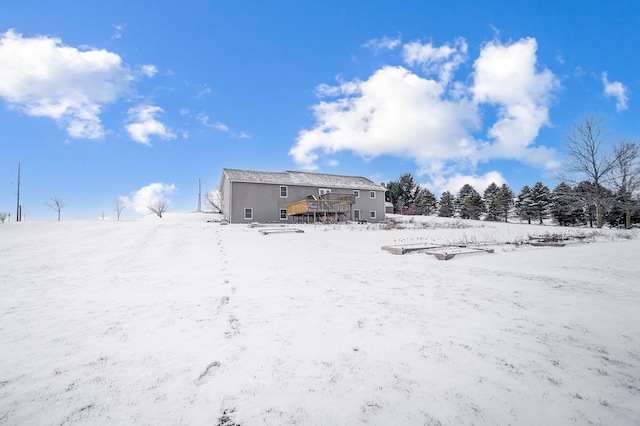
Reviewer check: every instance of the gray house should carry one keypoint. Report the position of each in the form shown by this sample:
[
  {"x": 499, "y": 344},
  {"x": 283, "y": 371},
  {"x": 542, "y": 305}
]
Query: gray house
[{"x": 291, "y": 197}]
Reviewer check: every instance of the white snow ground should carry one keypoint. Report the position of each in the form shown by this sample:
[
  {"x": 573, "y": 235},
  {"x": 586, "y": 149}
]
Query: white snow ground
[{"x": 178, "y": 321}]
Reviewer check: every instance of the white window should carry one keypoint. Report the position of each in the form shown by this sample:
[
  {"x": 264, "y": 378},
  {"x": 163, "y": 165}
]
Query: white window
[
  {"x": 372, "y": 194},
  {"x": 356, "y": 215},
  {"x": 323, "y": 191},
  {"x": 283, "y": 214},
  {"x": 373, "y": 214},
  {"x": 248, "y": 214},
  {"x": 356, "y": 192},
  {"x": 283, "y": 192}
]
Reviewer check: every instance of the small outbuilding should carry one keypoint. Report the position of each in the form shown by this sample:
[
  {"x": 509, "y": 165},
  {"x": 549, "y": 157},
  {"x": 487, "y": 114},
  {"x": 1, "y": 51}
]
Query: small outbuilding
[
  {"x": 292, "y": 197},
  {"x": 388, "y": 207}
]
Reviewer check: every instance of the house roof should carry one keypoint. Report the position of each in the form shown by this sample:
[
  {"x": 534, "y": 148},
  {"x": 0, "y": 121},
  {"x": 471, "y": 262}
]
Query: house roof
[{"x": 302, "y": 179}]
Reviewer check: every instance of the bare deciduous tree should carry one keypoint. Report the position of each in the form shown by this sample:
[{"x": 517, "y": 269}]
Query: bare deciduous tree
[
  {"x": 213, "y": 200},
  {"x": 56, "y": 204},
  {"x": 3, "y": 216},
  {"x": 626, "y": 176},
  {"x": 118, "y": 206},
  {"x": 158, "y": 207},
  {"x": 589, "y": 158}
]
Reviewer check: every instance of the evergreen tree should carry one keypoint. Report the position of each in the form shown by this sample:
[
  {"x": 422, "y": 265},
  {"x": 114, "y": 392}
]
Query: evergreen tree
[
  {"x": 402, "y": 194},
  {"x": 491, "y": 200},
  {"x": 626, "y": 179},
  {"x": 505, "y": 201},
  {"x": 391, "y": 195},
  {"x": 584, "y": 192},
  {"x": 565, "y": 206},
  {"x": 625, "y": 210},
  {"x": 608, "y": 204},
  {"x": 446, "y": 206},
  {"x": 426, "y": 202},
  {"x": 524, "y": 204},
  {"x": 469, "y": 203},
  {"x": 540, "y": 200},
  {"x": 617, "y": 216}
]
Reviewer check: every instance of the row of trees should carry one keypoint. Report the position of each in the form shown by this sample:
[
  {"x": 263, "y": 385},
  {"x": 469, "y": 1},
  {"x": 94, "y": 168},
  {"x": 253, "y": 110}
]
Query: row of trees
[
  {"x": 567, "y": 205},
  {"x": 600, "y": 184}
]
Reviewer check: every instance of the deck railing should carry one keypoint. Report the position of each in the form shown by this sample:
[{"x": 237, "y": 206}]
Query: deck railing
[{"x": 328, "y": 203}]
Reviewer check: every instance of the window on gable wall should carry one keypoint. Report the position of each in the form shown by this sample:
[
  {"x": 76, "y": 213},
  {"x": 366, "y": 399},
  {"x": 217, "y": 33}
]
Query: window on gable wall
[
  {"x": 373, "y": 214},
  {"x": 283, "y": 214},
  {"x": 248, "y": 213},
  {"x": 372, "y": 194},
  {"x": 356, "y": 193},
  {"x": 283, "y": 191}
]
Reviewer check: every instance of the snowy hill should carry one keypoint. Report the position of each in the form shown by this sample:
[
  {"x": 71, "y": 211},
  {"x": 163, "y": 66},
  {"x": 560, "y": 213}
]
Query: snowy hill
[{"x": 184, "y": 321}]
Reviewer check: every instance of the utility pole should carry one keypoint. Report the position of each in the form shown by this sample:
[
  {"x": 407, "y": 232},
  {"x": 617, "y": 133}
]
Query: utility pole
[
  {"x": 199, "y": 197},
  {"x": 18, "y": 206}
]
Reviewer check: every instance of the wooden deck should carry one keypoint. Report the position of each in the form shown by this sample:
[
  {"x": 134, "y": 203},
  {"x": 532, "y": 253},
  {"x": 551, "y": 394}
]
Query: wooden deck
[
  {"x": 317, "y": 206},
  {"x": 327, "y": 204}
]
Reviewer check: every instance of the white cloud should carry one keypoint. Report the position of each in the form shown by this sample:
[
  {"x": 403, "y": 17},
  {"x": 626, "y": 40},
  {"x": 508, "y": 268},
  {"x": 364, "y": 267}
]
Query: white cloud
[
  {"x": 435, "y": 121},
  {"x": 204, "y": 92},
  {"x": 616, "y": 90},
  {"x": 384, "y": 43},
  {"x": 41, "y": 77},
  {"x": 149, "y": 70},
  {"x": 140, "y": 199},
  {"x": 456, "y": 181},
  {"x": 143, "y": 124},
  {"x": 118, "y": 31},
  {"x": 436, "y": 60},
  {"x": 204, "y": 119},
  {"x": 393, "y": 112},
  {"x": 506, "y": 77}
]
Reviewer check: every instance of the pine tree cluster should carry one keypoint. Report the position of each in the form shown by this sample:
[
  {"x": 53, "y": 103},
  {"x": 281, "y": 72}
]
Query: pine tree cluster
[{"x": 565, "y": 205}]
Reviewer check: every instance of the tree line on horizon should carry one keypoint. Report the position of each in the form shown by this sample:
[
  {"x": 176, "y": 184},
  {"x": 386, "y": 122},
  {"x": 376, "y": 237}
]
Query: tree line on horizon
[
  {"x": 599, "y": 186},
  {"x": 566, "y": 205}
]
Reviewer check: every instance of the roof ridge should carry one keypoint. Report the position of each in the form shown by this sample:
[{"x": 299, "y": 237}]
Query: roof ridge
[
  {"x": 292, "y": 177},
  {"x": 327, "y": 174}
]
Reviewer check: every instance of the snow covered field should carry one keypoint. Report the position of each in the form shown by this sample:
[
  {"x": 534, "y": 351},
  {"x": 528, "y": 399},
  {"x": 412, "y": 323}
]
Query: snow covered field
[{"x": 178, "y": 321}]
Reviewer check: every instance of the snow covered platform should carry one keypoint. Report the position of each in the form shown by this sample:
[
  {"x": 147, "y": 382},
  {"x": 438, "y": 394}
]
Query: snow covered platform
[
  {"x": 441, "y": 252},
  {"x": 449, "y": 252},
  {"x": 409, "y": 248},
  {"x": 266, "y": 231}
]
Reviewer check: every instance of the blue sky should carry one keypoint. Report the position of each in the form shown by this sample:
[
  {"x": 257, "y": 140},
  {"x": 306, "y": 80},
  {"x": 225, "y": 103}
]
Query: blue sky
[{"x": 100, "y": 100}]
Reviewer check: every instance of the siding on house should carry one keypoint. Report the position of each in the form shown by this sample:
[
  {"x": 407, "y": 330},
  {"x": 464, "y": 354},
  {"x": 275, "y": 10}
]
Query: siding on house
[{"x": 262, "y": 192}]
